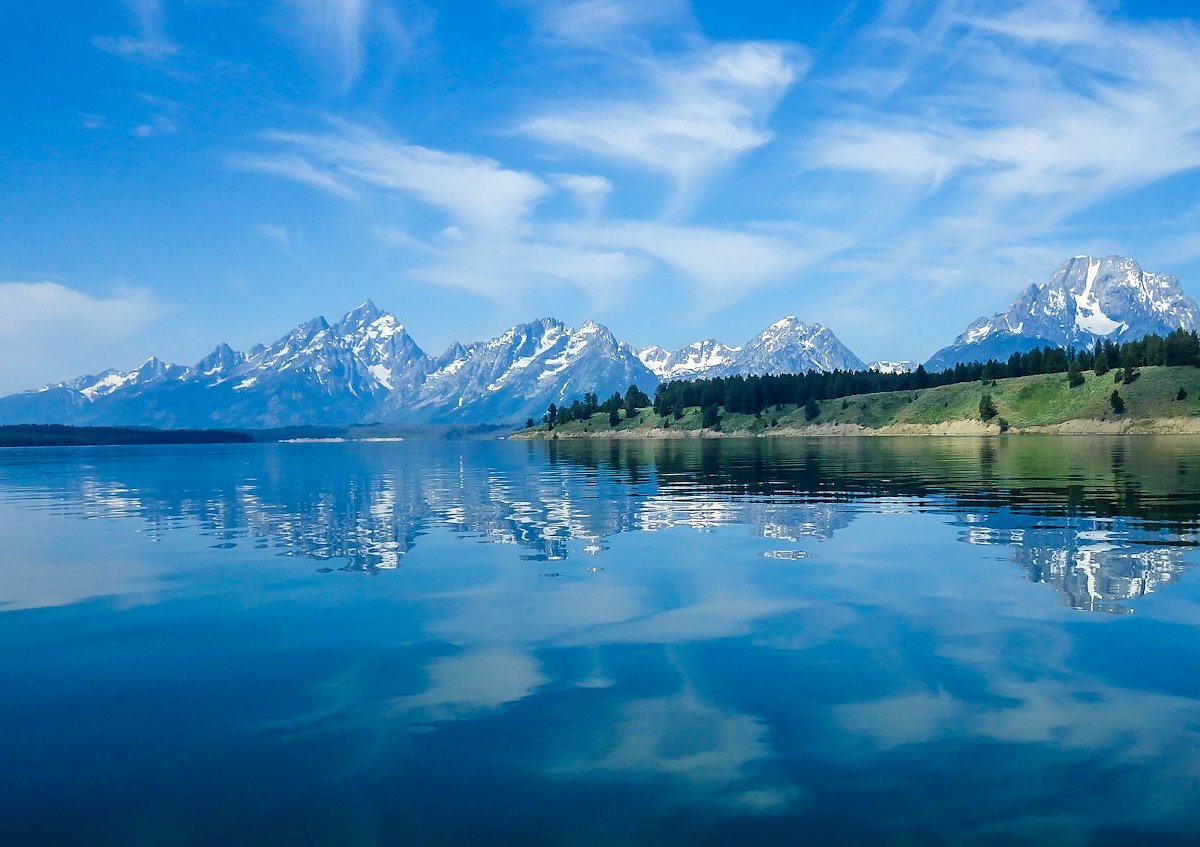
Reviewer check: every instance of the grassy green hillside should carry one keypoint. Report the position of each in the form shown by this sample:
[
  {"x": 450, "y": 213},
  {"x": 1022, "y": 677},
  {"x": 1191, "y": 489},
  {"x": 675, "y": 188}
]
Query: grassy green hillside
[{"x": 1026, "y": 401}]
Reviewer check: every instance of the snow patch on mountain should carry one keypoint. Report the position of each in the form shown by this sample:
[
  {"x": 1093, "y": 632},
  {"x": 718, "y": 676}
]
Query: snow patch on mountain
[{"x": 903, "y": 366}]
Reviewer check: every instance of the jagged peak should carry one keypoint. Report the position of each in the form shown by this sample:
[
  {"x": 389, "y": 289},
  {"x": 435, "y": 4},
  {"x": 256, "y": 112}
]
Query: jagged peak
[
  {"x": 789, "y": 326},
  {"x": 592, "y": 328},
  {"x": 311, "y": 326},
  {"x": 364, "y": 314},
  {"x": 222, "y": 356},
  {"x": 791, "y": 322},
  {"x": 546, "y": 322}
]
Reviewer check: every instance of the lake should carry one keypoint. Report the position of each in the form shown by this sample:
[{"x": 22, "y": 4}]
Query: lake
[{"x": 838, "y": 641}]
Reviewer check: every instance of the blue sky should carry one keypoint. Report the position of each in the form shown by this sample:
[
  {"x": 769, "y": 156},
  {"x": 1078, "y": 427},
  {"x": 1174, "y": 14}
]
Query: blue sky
[{"x": 182, "y": 172}]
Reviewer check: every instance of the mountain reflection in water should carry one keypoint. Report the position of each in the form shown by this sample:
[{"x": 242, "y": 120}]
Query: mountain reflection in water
[
  {"x": 1101, "y": 520},
  {"x": 647, "y": 643}
]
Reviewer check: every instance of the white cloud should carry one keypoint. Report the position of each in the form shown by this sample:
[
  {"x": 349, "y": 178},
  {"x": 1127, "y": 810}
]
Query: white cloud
[
  {"x": 477, "y": 191},
  {"x": 292, "y": 167},
  {"x": 1012, "y": 107},
  {"x": 726, "y": 263},
  {"x": 50, "y": 332},
  {"x": 717, "y": 752},
  {"x": 279, "y": 235},
  {"x": 478, "y": 680},
  {"x": 487, "y": 235},
  {"x": 150, "y": 44},
  {"x": 160, "y": 125},
  {"x": 589, "y": 191},
  {"x": 694, "y": 115},
  {"x": 338, "y": 32},
  {"x": 502, "y": 270},
  {"x": 334, "y": 28},
  {"x": 600, "y": 22}
]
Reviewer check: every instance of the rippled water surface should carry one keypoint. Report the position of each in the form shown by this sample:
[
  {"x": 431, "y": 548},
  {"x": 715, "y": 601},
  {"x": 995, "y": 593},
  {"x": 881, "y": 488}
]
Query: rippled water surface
[{"x": 842, "y": 641}]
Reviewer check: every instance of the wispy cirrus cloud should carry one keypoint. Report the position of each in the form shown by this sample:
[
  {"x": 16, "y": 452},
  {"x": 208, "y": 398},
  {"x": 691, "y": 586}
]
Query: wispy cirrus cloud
[
  {"x": 688, "y": 117},
  {"x": 293, "y": 167},
  {"x": 279, "y": 235},
  {"x": 333, "y": 28},
  {"x": 337, "y": 32},
  {"x": 473, "y": 221},
  {"x": 475, "y": 191},
  {"x": 601, "y": 23},
  {"x": 487, "y": 233},
  {"x": 149, "y": 43},
  {"x": 1050, "y": 106}
]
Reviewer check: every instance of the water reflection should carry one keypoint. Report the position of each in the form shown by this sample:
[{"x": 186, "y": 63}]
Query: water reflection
[
  {"x": 1101, "y": 520},
  {"x": 642, "y": 643}
]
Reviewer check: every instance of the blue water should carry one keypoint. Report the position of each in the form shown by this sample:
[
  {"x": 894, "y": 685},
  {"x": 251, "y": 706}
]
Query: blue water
[{"x": 876, "y": 641}]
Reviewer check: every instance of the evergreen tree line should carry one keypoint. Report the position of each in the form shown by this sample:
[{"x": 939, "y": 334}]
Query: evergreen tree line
[
  {"x": 581, "y": 410},
  {"x": 755, "y": 394}
]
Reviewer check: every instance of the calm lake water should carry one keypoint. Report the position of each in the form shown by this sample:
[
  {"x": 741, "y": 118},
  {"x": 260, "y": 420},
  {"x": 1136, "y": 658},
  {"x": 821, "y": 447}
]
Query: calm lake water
[{"x": 844, "y": 641}]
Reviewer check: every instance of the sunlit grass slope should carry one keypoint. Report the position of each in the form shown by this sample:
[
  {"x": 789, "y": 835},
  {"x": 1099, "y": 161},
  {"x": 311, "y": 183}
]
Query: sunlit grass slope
[{"x": 1040, "y": 400}]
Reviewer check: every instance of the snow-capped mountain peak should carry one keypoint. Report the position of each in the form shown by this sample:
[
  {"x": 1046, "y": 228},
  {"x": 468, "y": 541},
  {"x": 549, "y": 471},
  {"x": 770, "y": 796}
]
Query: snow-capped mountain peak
[
  {"x": 364, "y": 314},
  {"x": 789, "y": 345},
  {"x": 1084, "y": 300},
  {"x": 792, "y": 346},
  {"x": 221, "y": 360}
]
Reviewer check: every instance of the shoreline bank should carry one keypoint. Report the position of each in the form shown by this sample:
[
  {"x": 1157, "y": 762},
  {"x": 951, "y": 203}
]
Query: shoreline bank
[{"x": 954, "y": 428}]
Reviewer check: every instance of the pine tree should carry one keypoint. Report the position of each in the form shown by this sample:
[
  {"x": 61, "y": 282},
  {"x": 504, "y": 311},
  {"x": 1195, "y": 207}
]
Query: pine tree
[
  {"x": 1074, "y": 375},
  {"x": 635, "y": 398},
  {"x": 987, "y": 409},
  {"x": 812, "y": 409},
  {"x": 1118, "y": 405},
  {"x": 614, "y": 417}
]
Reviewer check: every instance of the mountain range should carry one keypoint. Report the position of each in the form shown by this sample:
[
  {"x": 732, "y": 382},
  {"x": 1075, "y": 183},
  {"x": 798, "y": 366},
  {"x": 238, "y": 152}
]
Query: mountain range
[{"x": 366, "y": 367}]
